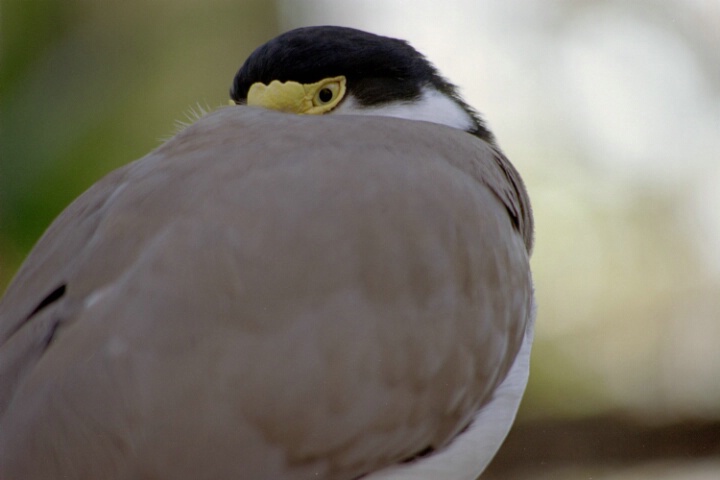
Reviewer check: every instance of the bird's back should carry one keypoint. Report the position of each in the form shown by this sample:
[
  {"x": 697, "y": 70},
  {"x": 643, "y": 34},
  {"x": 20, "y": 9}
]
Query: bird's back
[{"x": 267, "y": 296}]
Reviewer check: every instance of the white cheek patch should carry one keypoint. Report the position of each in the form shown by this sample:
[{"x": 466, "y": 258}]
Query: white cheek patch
[{"x": 432, "y": 106}]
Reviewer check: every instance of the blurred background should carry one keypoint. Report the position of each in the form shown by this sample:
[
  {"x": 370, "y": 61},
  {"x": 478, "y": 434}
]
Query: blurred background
[{"x": 610, "y": 109}]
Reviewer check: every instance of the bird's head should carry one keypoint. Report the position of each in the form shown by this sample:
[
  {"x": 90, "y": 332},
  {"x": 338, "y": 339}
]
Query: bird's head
[{"x": 339, "y": 70}]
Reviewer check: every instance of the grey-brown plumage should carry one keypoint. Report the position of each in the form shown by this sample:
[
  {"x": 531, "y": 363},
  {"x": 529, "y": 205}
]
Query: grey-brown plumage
[{"x": 268, "y": 296}]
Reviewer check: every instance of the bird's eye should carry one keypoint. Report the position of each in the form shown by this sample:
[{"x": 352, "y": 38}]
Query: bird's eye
[{"x": 327, "y": 93}]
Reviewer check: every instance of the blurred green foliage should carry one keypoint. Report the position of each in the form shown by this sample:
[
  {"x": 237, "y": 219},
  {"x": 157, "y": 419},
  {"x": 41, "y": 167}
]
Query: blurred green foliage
[{"x": 88, "y": 86}]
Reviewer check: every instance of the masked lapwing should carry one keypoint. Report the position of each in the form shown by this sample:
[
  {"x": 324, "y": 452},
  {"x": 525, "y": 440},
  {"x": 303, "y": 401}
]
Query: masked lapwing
[{"x": 327, "y": 280}]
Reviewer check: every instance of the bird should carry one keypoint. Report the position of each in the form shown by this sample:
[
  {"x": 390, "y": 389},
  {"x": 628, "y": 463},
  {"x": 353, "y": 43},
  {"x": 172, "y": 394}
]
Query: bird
[{"x": 327, "y": 279}]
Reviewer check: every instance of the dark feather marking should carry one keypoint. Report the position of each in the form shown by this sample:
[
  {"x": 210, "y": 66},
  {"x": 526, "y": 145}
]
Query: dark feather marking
[{"x": 51, "y": 297}]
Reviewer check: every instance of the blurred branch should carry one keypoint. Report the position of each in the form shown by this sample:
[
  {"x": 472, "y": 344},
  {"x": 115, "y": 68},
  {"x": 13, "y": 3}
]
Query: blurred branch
[{"x": 539, "y": 447}]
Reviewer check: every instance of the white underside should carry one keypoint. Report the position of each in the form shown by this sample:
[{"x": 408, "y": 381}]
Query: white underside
[
  {"x": 432, "y": 106},
  {"x": 471, "y": 452}
]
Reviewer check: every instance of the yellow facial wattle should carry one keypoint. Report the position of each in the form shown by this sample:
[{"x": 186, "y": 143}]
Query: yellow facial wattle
[{"x": 293, "y": 97}]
